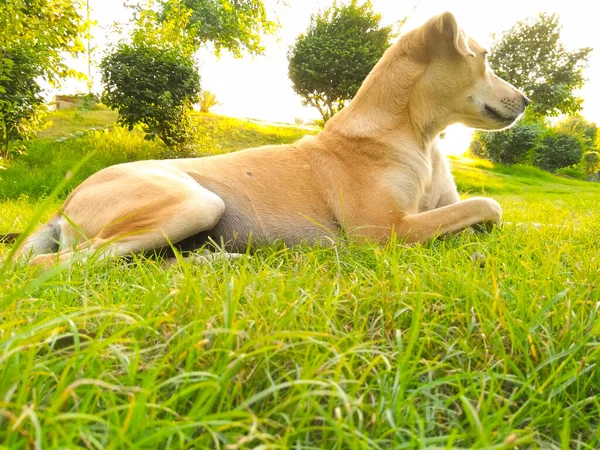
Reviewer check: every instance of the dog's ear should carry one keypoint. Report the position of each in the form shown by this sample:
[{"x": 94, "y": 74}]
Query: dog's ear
[{"x": 446, "y": 25}]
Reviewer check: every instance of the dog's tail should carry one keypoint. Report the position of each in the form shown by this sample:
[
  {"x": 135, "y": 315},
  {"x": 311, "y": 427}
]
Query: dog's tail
[
  {"x": 44, "y": 240},
  {"x": 9, "y": 238}
]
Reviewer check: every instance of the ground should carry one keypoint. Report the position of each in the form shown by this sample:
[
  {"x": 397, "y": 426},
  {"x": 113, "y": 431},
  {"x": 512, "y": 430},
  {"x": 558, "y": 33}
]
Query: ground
[{"x": 476, "y": 341}]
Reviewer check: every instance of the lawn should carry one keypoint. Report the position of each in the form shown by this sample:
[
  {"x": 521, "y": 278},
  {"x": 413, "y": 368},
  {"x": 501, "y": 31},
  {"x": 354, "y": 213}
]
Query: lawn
[{"x": 358, "y": 346}]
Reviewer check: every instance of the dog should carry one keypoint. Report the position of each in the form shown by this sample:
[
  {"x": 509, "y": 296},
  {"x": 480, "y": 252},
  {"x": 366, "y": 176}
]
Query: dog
[{"x": 373, "y": 172}]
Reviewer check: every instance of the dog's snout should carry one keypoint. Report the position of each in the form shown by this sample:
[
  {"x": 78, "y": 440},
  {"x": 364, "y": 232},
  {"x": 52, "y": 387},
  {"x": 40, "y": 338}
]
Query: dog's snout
[{"x": 526, "y": 101}]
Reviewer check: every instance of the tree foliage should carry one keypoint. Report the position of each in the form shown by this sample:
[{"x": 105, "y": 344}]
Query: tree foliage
[
  {"x": 168, "y": 28},
  {"x": 556, "y": 150},
  {"x": 531, "y": 56},
  {"x": 329, "y": 62},
  {"x": 21, "y": 100},
  {"x": 35, "y": 35},
  {"x": 233, "y": 25}
]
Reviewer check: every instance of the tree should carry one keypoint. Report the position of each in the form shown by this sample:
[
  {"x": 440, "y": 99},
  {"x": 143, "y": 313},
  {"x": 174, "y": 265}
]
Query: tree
[
  {"x": 507, "y": 147},
  {"x": 151, "y": 79},
  {"x": 234, "y": 25},
  {"x": 21, "y": 100},
  {"x": 531, "y": 56},
  {"x": 329, "y": 62},
  {"x": 29, "y": 52},
  {"x": 556, "y": 150},
  {"x": 153, "y": 86}
]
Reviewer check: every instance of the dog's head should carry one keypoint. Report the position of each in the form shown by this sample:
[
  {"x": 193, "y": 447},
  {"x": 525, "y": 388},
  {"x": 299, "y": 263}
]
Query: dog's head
[
  {"x": 460, "y": 78},
  {"x": 432, "y": 77}
]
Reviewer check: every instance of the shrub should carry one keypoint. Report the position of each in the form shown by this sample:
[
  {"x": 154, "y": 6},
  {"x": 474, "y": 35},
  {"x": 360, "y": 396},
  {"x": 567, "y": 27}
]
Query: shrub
[
  {"x": 153, "y": 86},
  {"x": 476, "y": 147},
  {"x": 507, "y": 147},
  {"x": 580, "y": 127},
  {"x": 556, "y": 150},
  {"x": 590, "y": 163}
]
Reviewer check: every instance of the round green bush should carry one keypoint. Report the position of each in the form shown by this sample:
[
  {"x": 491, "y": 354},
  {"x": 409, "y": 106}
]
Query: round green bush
[
  {"x": 556, "y": 150},
  {"x": 507, "y": 147},
  {"x": 591, "y": 162},
  {"x": 152, "y": 85}
]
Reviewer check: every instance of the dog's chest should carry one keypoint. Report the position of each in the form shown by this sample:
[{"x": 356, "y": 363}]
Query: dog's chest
[
  {"x": 409, "y": 183},
  {"x": 441, "y": 188},
  {"x": 418, "y": 183}
]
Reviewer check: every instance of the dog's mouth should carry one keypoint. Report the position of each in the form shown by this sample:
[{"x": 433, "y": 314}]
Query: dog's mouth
[{"x": 495, "y": 114}]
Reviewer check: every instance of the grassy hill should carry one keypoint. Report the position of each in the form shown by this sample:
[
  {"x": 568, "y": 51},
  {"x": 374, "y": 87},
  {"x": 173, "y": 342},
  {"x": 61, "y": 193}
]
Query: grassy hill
[
  {"x": 481, "y": 176},
  {"x": 475, "y": 341}
]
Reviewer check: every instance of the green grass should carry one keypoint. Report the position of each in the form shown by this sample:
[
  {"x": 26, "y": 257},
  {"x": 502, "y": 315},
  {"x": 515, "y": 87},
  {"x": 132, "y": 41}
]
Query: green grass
[
  {"x": 63, "y": 123},
  {"x": 358, "y": 346},
  {"x": 480, "y": 176},
  {"x": 35, "y": 174}
]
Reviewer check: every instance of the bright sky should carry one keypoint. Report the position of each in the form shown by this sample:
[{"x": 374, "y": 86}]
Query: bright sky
[{"x": 259, "y": 87}]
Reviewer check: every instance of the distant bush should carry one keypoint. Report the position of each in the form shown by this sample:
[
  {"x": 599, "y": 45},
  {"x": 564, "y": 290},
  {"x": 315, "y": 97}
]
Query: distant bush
[
  {"x": 88, "y": 102},
  {"x": 590, "y": 163},
  {"x": 557, "y": 150},
  {"x": 477, "y": 148},
  {"x": 580, "y": 127},
  {"x": 511, "y": 146}
]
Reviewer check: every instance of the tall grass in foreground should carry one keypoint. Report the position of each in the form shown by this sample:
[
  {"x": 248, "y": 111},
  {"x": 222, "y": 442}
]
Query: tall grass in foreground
[{"x": 350, "y": 347}]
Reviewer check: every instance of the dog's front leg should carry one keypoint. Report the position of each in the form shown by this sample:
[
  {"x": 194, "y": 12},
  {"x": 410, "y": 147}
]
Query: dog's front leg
[
  {"x": 449, "y": 219},
  {"x": 436, "y": 222}
]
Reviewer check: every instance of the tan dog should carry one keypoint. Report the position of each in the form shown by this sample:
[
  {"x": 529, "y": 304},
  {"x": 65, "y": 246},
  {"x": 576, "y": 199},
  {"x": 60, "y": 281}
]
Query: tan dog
[{"x": 373, "y": 171}]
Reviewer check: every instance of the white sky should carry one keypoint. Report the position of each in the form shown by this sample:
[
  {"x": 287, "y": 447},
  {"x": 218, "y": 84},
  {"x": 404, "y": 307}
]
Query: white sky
[{"x": 259, "y": 87}]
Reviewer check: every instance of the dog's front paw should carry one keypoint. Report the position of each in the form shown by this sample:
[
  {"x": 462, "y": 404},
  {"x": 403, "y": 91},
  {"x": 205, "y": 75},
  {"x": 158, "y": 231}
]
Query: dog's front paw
[
  {"x": 43, "y": 260},
  {"x": 493, "y": 215}
]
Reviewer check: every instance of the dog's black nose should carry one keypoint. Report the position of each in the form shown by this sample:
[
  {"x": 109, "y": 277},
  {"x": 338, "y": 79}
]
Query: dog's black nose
[{"x": 526, "y": 101}]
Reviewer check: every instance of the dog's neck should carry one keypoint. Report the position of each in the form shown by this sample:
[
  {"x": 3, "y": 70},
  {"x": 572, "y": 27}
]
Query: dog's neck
[{"x": 392, "y": 102}]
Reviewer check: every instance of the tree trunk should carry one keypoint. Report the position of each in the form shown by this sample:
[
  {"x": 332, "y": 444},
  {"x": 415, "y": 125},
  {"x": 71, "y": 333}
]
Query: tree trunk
[
  {"x": 323, "y": 113},
  {"x": 330, "y": 107}
]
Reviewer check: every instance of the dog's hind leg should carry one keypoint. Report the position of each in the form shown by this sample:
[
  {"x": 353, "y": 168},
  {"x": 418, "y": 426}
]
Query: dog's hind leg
[
  {"x": 162, "y": 214},
  {"x": 195, "y": 217}
]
